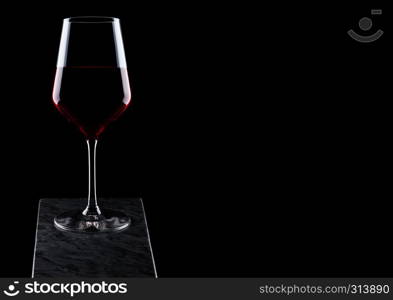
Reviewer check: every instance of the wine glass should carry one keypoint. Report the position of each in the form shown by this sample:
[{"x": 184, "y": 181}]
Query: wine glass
[{"x": 91, "y": 89}]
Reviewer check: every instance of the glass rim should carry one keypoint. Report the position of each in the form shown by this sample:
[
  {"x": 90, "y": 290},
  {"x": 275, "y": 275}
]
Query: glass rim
[{"x": 91, "y": 19}]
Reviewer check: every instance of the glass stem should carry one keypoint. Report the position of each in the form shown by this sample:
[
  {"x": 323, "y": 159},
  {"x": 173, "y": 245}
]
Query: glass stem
[{"x": 92, "y": 208}]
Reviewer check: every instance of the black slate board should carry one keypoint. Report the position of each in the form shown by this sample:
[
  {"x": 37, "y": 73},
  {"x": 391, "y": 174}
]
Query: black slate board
[{"x": 63, "y": 254}]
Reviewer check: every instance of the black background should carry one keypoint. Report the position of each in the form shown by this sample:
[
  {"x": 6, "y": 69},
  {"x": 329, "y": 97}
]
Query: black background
[{"x": 257, "y": 136}]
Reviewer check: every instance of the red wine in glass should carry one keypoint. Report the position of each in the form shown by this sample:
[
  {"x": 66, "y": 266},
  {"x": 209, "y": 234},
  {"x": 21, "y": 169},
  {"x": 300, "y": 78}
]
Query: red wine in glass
[
  {"x": 91, "y": 89},
  {"x": 91, "y": 96}
]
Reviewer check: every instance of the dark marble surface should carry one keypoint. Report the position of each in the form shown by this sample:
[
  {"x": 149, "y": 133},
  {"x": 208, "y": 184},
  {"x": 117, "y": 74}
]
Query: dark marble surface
[{"x": 63, "y": 254}]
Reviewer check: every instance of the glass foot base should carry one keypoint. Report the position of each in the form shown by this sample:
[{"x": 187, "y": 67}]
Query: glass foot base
[{"x": 107, "y": 221}]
